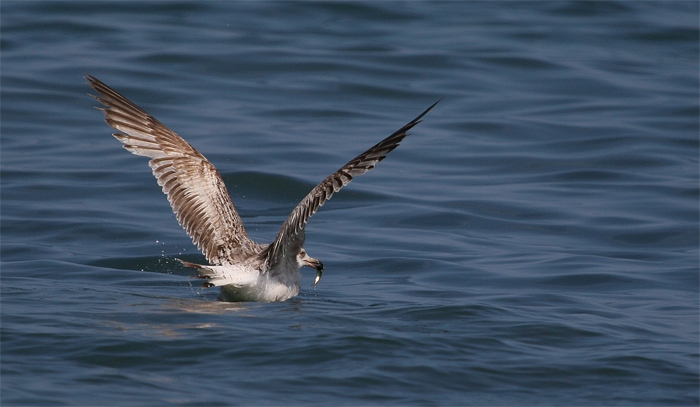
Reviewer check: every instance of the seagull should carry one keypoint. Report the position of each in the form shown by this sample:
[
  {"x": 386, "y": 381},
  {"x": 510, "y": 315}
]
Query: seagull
[{"x": 243, "y": 269}]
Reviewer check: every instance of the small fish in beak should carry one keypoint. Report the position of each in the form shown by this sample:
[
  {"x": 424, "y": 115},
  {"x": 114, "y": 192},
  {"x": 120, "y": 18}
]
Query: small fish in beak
[
  {"x": 305, "y": 260},
  {"x": 315, "y": 264}
]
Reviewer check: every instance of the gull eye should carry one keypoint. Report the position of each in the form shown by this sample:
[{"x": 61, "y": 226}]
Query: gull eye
[{"x": 302, "y": 253}]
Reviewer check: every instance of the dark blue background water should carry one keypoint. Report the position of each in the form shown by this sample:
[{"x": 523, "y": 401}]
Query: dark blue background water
[{"x": 534, "y": 242}]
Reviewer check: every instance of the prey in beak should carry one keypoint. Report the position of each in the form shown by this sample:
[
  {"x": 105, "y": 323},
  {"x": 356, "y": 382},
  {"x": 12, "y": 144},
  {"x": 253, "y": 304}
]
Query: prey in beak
[
  {"x": 306, "y": 260},
  {"x": 313, "y": 263}
]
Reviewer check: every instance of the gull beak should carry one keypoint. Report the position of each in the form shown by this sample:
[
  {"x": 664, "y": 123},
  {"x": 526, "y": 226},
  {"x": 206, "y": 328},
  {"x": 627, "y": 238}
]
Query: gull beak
[{"x": 315, "y": 264}]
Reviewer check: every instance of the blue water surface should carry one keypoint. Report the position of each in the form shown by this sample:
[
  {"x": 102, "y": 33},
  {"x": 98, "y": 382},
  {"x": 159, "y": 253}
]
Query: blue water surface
[{"x": 533, "y": 242}]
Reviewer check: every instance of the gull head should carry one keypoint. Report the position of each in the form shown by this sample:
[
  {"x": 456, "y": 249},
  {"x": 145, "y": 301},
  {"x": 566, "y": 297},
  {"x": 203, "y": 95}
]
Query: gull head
[{"x": 303, "y": 259}]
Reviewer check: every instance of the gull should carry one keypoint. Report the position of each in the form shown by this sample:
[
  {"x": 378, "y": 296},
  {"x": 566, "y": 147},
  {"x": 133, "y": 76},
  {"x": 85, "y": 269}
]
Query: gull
[{"x": 243, "y": 269}]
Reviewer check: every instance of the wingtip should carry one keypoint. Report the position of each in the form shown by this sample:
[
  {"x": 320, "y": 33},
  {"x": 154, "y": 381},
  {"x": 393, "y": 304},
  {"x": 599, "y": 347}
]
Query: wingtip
[
  {"x": 430, "y": 108},
  {"x": 89, "y": 79},
  {"x": 420, "y": 116}
]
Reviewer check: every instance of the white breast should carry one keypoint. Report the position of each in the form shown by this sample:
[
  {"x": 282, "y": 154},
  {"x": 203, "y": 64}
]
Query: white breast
[{"x": 241, "y": 283}]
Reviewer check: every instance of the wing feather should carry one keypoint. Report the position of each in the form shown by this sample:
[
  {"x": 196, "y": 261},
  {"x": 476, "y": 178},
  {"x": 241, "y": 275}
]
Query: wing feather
[
  {"x": 194, "y": 187},
  {"x": 291, "y": 236}
]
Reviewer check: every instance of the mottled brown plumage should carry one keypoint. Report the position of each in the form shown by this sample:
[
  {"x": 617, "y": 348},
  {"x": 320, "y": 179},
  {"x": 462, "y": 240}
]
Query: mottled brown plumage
[{"x": 243, "y": 268}]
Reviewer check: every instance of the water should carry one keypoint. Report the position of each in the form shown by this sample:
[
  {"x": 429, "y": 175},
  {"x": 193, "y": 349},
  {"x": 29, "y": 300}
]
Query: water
[{"x": 533, "y": 242}]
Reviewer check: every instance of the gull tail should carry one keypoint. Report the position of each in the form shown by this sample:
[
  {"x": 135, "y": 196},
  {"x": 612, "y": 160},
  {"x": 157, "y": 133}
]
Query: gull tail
[
  {"x": 224, "y": 275},
  {"x": 202, "y": 272}
]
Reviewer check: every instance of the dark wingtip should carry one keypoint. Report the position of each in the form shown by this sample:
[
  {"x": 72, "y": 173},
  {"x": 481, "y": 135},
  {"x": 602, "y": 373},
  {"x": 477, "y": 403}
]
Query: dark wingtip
[
  {"x": 89, "y": 79},
  {"x": 417, "y": 119},
  {"x": 402, "y": 131}
]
